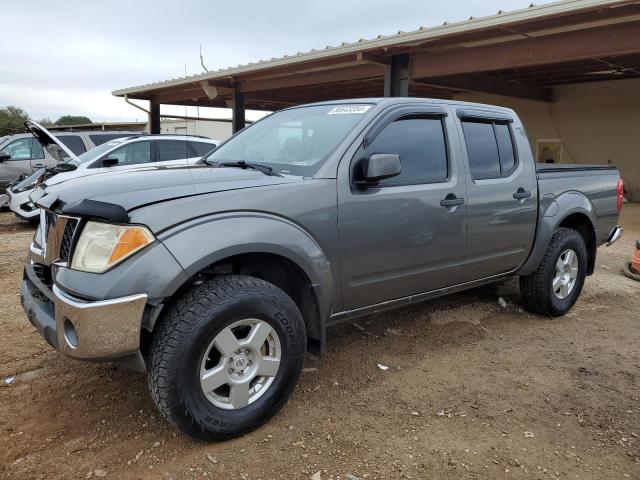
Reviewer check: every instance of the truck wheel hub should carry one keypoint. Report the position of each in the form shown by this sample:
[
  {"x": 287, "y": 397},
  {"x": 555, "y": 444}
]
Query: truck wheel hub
[
  {"x": 566, "y": 274},
  {"x": 240, "y": 364}
]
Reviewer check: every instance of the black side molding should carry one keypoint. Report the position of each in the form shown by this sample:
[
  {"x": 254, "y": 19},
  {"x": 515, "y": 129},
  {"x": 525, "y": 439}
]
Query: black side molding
[{"x": 95, "y": 209}]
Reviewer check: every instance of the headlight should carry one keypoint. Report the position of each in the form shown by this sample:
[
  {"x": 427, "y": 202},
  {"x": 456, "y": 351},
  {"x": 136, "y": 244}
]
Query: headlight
[
  {"x": 102, "y": 245},
  {"x": 24, "y": 188}
]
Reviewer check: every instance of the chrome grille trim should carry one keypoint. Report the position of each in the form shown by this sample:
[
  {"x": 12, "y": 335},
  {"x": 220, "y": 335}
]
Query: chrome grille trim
[{"x": 57, "y": 229}]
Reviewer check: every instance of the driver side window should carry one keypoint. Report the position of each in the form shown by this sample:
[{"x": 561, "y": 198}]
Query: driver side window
[
  {"x": 132, "y": 154},
  {"x": 24, "y": 149}
]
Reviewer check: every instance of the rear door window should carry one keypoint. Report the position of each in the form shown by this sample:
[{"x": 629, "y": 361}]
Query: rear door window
[
  {"x": 489, "y": 148},
  {"x": 172, "y": 150},
  {"x": 73, "y": 143}
]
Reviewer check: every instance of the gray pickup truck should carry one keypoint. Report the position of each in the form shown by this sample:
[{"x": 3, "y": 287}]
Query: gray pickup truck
[{"x": 218, "y": 277}]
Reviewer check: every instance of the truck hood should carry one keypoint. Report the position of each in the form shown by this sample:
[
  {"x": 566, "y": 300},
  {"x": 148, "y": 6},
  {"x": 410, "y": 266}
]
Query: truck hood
[
  {"x": 134, "y": 188},
  {"x": 50, "y": 143}
]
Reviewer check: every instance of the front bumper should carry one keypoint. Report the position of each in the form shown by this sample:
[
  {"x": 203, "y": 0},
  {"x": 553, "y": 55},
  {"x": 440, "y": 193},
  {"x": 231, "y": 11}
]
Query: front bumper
[
  {"x": 22, "y": 206},
  {"x": 101, "y": 330}
]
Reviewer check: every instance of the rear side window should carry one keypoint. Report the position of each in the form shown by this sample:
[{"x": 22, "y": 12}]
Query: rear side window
[
  {"x": 420, "y": 142},
  {"x": 105, "y": 137},
  {"x": 489, "y": 148},
  {"x": 73, "y": 143},
  {"x": 201, "y": 148},
  {"x": 172, "y": 150}
]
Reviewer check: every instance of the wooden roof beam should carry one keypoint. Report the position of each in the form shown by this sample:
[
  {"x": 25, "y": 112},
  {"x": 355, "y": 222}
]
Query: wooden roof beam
[
  {"x": 357, "y": 72},
  {"x": 496, "y": 86},
  {"x": 578, "y": 45}
]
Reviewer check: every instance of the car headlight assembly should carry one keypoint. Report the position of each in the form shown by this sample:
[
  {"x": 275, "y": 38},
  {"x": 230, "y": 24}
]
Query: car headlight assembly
[{"x": 101, "y": 246}]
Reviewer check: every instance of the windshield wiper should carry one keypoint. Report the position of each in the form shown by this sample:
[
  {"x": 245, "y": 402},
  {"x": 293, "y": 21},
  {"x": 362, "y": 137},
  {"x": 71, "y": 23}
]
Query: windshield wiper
[{"x": 254, "y": 166}]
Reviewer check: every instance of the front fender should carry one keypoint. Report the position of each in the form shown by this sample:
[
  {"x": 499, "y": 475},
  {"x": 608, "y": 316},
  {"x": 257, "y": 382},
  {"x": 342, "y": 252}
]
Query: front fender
[
  {"x": 551, "y": 215},
  {"x": 204, "y": 241}
]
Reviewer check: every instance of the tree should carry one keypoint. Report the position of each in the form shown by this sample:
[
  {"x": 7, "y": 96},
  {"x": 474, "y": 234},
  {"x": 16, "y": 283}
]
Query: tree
[
  {"x": 12, "y": 120},
  {"x": 72, "y": 120},
  {"x": 45, "y": 122}
]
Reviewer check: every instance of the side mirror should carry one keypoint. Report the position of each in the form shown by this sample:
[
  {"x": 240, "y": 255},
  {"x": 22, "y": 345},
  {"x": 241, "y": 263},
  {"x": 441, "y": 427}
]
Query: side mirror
[
  {"x": 4, "y": 156},
  {"x": 109, "y": 162},
  {"x": 379, "y": 166}
]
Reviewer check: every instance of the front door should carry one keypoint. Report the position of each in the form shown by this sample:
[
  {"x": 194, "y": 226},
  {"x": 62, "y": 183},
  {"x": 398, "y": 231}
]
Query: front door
[
  {"x": 407, "y": 234},
  {"x": 27, "y": 156},
  {"x": 502, "y": 193}
]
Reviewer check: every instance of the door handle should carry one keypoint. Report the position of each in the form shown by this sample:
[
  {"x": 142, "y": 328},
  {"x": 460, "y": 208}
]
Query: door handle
[
  {"x": 451, "y": 201},
  {"x": 521, "y": 194},
  {"x": 38, "y": 165}
]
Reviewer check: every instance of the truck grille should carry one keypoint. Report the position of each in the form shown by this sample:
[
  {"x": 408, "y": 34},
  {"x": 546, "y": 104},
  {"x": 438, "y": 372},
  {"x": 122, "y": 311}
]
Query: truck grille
[
  {"x": 58, "y": 231},
  {"x": 67, "y": 238}
]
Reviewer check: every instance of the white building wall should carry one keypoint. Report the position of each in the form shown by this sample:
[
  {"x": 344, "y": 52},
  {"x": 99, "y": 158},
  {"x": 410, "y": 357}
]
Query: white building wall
[
  {"x": 216, "y": 129},
  {"x": 597, "y": 123}
]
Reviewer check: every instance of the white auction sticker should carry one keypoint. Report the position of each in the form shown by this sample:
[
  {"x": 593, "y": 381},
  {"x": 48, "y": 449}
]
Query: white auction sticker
[{"x": 348, "y": 109}]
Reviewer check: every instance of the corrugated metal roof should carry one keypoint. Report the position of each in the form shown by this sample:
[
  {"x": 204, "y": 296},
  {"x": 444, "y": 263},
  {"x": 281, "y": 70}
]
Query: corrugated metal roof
[{"x": 533, "y": 12}]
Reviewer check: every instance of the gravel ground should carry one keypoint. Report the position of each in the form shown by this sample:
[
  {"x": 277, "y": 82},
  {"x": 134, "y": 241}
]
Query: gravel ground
[{"x": 474, "y": 389}]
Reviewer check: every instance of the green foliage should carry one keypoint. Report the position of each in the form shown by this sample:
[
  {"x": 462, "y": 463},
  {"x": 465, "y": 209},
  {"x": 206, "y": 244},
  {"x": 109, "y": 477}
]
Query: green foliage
[
  {"x": 45, "y": 122},
  {"x": 72, "y": 120},
  {"x": 12, "y": 120}
]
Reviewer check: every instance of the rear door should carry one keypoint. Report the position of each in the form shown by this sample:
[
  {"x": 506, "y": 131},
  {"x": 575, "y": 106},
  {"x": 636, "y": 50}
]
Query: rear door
[
  {"x": 501, "y": 191},
  {"x": 172, "y": 152},
  {"x": 398, "y": 238}
]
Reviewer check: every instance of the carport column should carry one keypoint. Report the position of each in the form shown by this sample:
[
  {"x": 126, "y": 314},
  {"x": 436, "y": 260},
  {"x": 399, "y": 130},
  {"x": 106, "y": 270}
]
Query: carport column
[
  {"x": 154, "y": 118},
  {"x": 396, "y": 80},
  {"x": 237, "y": 105}
]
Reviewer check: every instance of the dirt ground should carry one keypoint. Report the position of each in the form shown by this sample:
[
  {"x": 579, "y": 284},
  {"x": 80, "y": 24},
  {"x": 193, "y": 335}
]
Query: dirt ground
[{"x": 474, "y": 389}]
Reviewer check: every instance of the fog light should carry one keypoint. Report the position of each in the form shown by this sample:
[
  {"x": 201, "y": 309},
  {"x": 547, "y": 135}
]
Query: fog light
[{"x": 70, "y": 334}]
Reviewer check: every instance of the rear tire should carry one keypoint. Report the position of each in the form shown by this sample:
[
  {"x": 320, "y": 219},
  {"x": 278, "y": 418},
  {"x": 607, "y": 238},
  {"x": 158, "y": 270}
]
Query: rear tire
[
  {"x": 208, "y": 335},
  {"x": 556, "y": 285}
]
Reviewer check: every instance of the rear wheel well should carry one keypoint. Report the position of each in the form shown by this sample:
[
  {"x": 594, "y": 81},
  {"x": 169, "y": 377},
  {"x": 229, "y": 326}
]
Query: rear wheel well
[
  {"x": 277, "y": 270},
  {"x": 582, "y": 224}
]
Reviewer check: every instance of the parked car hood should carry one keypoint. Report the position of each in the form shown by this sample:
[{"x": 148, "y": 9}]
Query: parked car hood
[
  {"x": 50, "y": 143},
  {"x": 134, "y": 188}
]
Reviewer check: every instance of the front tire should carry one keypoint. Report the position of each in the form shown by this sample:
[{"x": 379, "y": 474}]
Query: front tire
[
  {"x": 557, "y": 283},
  {"x": 226, "y": 357}
]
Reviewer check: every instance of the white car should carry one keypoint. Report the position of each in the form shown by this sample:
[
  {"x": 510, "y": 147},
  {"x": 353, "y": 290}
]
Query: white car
[{"x": 119, "y": 154}]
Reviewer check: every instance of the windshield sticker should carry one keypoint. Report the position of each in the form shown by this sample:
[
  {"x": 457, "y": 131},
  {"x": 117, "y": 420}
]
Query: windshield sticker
[{"x": 349, "y": 109}]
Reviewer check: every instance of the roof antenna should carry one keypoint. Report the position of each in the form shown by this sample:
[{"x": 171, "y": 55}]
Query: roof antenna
[{"x": 202, "y": 60}]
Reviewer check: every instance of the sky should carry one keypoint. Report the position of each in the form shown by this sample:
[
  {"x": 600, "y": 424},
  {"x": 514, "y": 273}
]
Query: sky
[{"x": 66, "y": 57}]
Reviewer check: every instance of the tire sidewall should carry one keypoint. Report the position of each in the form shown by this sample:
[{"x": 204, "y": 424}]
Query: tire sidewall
[
  {"x": 189, "y": 392},
  {"x": 574, "y": 242}
]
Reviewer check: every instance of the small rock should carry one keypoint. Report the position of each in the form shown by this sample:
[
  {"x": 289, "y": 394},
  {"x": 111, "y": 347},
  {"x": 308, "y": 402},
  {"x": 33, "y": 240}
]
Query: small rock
[
  {"x": 309, "y": 369},
  {"x": 156, "y": 444},
  {"x": 415, "y": 414},
  {"x": 100, "y": 473},
  {"x": 316, "y": 476},
  {"x": 352, "y": 477},
  {"x": 9, "y": 380},
  {"x": 383, "y": 367},
  {"x": 528, "y": 435},
  {"x": 211, "y": 459},
  {"x": 502, "y": 302}
]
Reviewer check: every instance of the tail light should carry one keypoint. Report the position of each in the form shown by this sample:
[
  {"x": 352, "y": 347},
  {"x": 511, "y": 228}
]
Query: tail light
[{"x": 620, "y": 194}]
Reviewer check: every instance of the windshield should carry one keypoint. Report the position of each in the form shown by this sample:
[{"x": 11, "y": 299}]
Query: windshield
[
  {"x": 295, "y": 141},
  {"x": 99, "y": 150}
]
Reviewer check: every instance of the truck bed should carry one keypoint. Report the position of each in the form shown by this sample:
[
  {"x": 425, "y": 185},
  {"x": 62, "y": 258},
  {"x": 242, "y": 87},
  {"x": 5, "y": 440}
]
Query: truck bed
[{"x": 597, "y": 182}]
